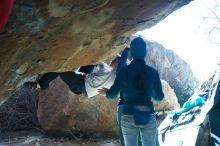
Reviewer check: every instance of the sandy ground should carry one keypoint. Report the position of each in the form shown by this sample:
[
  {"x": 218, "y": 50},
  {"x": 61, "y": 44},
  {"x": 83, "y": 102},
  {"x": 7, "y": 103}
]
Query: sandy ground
[{"x": 34, "y": 138}]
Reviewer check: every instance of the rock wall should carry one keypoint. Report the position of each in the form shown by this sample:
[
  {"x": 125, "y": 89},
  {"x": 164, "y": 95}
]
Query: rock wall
[
  {"x": 60, "y": 35},
  {"x": 170, "y": 101},
  {"x": 172, "y": 69}
]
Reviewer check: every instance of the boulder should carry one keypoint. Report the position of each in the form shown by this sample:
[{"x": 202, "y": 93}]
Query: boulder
[
  {"x": 61, "y": 112},
  {"x": 170, "y": 101}
]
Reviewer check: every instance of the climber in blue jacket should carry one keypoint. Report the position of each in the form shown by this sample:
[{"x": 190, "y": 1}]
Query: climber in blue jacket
[{"x": 138, "y": 83}]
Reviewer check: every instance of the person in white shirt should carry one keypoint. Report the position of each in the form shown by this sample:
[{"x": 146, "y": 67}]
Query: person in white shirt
[{"x": 88, "y": 83}]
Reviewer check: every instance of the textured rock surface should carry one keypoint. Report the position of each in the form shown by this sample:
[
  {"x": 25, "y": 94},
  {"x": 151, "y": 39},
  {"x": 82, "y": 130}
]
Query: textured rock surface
[
  {"x": 60, "y": 35},
  {"x": 61, "y": 111},
  {"x": 170, "y": 101},
  {"x": 172, "y": 69}
]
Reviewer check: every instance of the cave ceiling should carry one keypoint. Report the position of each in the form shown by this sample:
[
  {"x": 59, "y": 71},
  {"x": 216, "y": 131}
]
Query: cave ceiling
[{"x": 61, "y": 35}]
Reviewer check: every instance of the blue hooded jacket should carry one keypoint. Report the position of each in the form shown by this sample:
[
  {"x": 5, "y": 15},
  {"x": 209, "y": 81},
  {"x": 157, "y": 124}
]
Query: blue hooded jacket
[{"x": 127, "y": 83}]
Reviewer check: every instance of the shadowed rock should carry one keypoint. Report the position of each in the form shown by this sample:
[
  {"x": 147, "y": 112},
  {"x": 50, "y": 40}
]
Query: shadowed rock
[{"x": 61, "y": 111}]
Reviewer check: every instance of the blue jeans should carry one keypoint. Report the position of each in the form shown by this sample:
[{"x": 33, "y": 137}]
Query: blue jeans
[
  {"x": 147, "y": 132},
  {"x": 119, "y": 115}
]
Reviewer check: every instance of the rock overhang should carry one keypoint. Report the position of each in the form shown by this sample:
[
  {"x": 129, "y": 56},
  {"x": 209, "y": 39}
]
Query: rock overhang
[{"x": 61, "y": 35}]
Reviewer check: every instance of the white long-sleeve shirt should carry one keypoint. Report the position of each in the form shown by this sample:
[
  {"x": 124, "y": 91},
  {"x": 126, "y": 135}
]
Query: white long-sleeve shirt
[{"x": 101, "y": 77}]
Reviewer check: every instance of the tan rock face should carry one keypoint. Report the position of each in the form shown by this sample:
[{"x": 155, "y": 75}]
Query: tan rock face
[
  {"x": 170, "y": 101},
  {"x": 60, "y": 35}
]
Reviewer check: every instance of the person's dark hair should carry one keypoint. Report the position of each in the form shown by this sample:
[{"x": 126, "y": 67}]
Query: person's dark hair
[
  {"x": 138, "y": 52},
  {"x": 86, "y": 69},
  {"x": 141, "y": 84}
]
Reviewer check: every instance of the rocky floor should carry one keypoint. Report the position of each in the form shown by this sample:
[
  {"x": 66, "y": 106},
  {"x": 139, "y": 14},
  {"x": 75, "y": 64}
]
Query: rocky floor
[{"x": 35, "y": 138}]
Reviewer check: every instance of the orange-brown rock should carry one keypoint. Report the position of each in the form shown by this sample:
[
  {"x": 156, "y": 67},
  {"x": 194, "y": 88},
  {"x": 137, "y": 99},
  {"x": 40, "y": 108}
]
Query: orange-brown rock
[
  {"x": 60, "y": 35},
  {"x": 170, "y": 101}
]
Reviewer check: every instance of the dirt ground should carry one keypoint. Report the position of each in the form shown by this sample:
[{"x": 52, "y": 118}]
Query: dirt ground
[{"x": 35, "y": 138}]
